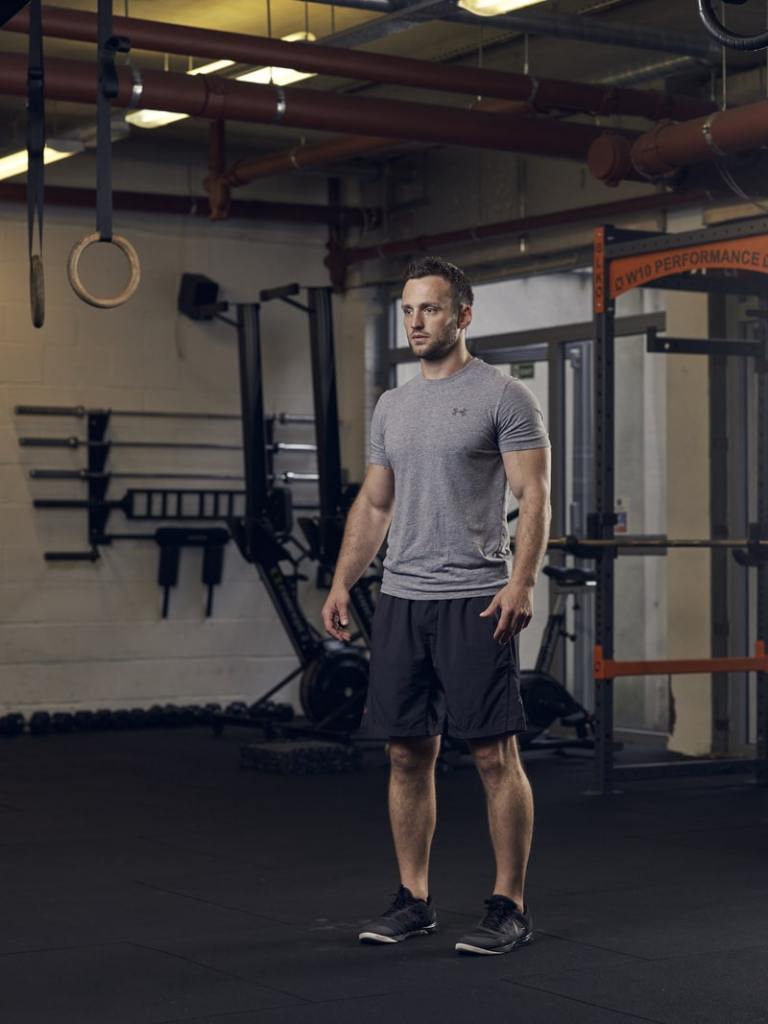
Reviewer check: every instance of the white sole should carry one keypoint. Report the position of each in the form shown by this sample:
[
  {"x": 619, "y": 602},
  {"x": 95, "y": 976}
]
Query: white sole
[
  {"x": 375, "y": 937},
  {"x": 464, "y": 947}
]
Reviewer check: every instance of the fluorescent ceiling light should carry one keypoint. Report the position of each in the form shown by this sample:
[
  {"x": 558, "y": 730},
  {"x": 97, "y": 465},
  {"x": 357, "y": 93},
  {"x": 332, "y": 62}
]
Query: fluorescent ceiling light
[
  {"x": 56, "y": 149},
  {"x": 489, "y": 8},
  {"x": 281, "y": 76},
  {"x": 276, "y": 76},
  {"x": 265, "y": 76}
]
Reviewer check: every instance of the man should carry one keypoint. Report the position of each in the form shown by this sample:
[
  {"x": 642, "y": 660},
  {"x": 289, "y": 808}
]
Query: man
[{"x": 443, "y": 448}]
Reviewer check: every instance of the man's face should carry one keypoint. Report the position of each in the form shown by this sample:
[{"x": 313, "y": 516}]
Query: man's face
[{"x": 431, "y": 321}]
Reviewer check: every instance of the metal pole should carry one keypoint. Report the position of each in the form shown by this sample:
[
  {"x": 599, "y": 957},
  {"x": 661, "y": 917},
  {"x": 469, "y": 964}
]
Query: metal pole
[
  {"x": 602, "y": 520},
  {"x": 252, "y": 412}
]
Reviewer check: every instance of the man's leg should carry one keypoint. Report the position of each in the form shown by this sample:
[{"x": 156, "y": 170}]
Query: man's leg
[
  {"x": 510, "y": 811},
  {"x": 412, "y": 807}
]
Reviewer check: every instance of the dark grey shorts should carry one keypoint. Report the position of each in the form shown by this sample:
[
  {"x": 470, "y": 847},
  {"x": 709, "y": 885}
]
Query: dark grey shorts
[{"x": 434, "y": 666}]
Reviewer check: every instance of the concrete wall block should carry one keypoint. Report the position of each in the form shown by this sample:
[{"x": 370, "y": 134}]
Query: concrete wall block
[
  {"x": 58, "y": 328},
  {"x": 14, "y": 486},
  {"x": 22, "y": 363},
  {"x": 79, "y": 365},
  {"x": 67, "y": 602},
  {"x": 139, "y": 683},
  {"x": 136, "y": 640}
]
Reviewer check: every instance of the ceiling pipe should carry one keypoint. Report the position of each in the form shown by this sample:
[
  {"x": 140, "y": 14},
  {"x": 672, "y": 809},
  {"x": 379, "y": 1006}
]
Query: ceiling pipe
[
  {"x": 197, "y": 206},
  {"x": 342, "y": 258},
  {"x": 346, "y": 147},
  {"x": 662, "y": 151},
  {"x": 210, "y": 96},
  {"x": 561, "y": 26},
  {"x": 545, "y": 94}
]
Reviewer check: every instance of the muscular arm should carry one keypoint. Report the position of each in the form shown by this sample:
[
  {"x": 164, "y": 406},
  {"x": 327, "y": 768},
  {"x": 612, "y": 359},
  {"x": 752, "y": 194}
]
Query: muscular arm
[
  {"x": 528, "y": 475},
  {"x": 367, "y": 525}
]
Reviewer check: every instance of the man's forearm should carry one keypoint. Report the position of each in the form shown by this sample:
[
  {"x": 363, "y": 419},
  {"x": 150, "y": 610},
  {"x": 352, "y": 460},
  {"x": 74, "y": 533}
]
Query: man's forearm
[
  {"x": 364, "y": 534},
  {"x": 531, "y": 538}
]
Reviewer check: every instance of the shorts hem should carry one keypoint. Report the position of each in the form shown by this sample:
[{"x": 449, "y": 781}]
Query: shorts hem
[{"x": 481, "y": 734}]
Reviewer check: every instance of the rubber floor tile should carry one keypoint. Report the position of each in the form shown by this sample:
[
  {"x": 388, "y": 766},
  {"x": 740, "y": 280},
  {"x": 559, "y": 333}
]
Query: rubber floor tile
[
  {"x": 712, "y": 988},
  {"x": 495, "y": 1001},
  {"x": 120, "y": 984},
  {"x": 326, "y": 962}
]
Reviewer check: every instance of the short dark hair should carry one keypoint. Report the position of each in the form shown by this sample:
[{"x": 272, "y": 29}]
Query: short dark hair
[{"x": 435, "y": 266}]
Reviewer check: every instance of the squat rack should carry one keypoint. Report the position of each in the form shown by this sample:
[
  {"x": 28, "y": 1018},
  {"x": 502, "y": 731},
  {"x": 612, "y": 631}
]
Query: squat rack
[{"x": 624, "y": 260}]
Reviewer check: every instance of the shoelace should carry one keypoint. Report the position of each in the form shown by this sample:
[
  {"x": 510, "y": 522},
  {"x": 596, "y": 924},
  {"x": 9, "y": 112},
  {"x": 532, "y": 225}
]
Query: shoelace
[
  {"x": 497, "y": 911},
  {"x": 400, "y": 899}
]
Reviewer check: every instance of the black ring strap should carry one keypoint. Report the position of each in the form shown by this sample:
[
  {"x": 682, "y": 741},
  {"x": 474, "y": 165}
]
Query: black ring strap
[{"x": 35, "y": 163}]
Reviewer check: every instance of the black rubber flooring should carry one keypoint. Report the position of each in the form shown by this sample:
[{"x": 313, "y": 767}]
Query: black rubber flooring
[{"x": 147, "y": 878}]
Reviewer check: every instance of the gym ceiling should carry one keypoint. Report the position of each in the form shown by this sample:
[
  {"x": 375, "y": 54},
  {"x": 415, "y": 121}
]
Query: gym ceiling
[{"x": 473, "y": 41}]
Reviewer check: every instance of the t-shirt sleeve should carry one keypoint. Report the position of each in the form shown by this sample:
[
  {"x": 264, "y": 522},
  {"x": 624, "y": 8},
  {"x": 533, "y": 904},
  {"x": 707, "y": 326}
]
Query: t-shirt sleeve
[
  {"x": 376, "y": 450},
  {"x": 519, "y": 419}
]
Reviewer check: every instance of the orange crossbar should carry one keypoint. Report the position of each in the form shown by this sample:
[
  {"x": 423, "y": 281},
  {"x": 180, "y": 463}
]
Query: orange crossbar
[{"x": 605, "y": 668}]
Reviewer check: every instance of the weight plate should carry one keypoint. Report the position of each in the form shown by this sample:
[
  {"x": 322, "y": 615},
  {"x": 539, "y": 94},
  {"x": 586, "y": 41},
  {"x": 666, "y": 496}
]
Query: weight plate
[{"x": 329, "y": 682}]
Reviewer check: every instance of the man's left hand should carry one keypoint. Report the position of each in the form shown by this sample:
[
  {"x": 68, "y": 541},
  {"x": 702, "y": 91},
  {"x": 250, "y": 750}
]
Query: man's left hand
[{"x": 514, "y": 606}]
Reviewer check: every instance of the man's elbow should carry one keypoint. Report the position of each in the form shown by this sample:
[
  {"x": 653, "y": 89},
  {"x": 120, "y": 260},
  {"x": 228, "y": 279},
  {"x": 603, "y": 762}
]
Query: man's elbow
[{"x": 536, "y": 496}]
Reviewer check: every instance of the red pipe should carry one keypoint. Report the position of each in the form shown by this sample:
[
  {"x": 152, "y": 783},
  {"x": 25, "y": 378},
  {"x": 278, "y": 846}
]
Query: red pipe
[
  {"x": 667, "y": 147},
  {"x": 212, "y": 97},
  {"x": 344, "y": 148},
  {"x": 545, "y": 93},
  {"x": 523, "y": 225}
]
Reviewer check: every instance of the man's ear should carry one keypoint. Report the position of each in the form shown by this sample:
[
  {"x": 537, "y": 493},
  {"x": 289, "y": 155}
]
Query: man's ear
[{"x": 465, "y": 317}]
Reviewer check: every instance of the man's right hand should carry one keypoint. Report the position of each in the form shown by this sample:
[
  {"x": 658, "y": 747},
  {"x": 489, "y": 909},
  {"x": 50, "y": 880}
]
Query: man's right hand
[{"x": 336, "y": 613}]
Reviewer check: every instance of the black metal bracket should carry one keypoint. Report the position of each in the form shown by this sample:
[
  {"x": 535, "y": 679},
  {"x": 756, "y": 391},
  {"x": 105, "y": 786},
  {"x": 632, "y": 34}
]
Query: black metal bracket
[
  {"x": 172, "y": 539},
  {"x": 701, "y": 346}
]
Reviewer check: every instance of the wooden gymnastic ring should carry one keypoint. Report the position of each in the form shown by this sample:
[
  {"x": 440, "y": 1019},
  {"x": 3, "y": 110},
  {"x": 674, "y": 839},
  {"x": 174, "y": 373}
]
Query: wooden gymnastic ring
[
  {"x": 36, "y": 290},
  {"x": 73, "y": 271}
]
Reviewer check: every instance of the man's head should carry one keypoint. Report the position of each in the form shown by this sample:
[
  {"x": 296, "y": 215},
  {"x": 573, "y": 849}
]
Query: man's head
[{"x": 437, "y": 306}]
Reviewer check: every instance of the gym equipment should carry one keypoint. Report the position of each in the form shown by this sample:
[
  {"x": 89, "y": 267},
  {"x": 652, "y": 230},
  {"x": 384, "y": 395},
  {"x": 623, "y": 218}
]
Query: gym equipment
[
  {"x": 75, "y": 443},
  {"x": 109, "y": 45},
  {"x": 331, "y": 687},
  {"x": 35, "y": 162},
  {"x": 63, "y": 721},
  {"x": 84, "y": 720},
  {"x": 172, "y": 540},
  {"x": 80, "y": 412},
  {"x": 545, "y": 699},
  {"x": 624, "y": 260},
  {"x": 263, "y": 532},
  {"x": 300, "y": 757},
  {"x": 12, "y": 725},
  {"x": 40, "y": 723},
  {"x": 725, "y": 36}
]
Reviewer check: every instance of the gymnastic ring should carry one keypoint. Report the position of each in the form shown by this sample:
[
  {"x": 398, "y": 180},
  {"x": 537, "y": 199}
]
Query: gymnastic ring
[
  {"x": 73, "y": 270},
  {"x": 36, "y": 290}
]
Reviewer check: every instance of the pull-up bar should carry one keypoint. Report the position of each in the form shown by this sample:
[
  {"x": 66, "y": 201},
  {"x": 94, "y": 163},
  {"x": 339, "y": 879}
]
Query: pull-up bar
[{"x": 606, "y": 668}]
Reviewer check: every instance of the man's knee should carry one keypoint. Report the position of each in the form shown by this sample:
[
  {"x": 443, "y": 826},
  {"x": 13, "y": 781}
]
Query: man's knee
[
  {"x": 496, "y": 757},
  {"x": 413, "y": 755}
]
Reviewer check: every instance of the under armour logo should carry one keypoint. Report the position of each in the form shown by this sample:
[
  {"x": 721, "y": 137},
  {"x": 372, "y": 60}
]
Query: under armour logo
[{"x": 459, "y": 412}]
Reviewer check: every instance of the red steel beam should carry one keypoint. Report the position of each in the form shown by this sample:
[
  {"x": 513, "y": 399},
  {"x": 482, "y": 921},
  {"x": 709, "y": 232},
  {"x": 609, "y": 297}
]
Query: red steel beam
[
  {"x": 197, "y": 206},
  {"x": 523, "y": 225},
  {"x": 545, "y": 94},
  {"x": 210, "y": 96}
]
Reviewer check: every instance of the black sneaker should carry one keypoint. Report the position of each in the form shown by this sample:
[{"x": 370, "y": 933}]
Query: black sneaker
[
  {"x": 407, "y": 916},
  {"x": 502, "y": 929}
]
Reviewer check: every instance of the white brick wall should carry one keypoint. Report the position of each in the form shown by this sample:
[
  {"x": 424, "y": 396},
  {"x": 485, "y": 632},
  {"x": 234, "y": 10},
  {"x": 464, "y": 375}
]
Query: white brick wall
[{"x": 80, "y": 635}]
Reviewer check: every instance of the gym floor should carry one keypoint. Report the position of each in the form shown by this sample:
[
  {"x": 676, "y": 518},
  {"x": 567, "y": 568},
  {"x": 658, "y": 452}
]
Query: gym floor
[{"x": 149, "y": 878}]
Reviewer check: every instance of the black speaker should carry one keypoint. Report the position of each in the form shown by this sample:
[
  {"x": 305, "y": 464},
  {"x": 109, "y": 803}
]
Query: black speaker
[{"x": 198, "y": 297}]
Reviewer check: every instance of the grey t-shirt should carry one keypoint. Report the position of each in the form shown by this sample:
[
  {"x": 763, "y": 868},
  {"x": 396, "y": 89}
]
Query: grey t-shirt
[{"x": 443, "y": 439}]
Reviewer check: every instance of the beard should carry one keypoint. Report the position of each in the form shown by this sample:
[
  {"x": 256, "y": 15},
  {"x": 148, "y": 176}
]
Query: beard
[{"x": 437, "y": 346}]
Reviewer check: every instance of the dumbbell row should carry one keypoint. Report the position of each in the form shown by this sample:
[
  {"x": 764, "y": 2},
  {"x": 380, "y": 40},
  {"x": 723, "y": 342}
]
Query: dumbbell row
[{"x": 158, "y": 716}]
